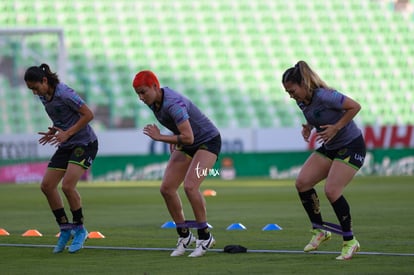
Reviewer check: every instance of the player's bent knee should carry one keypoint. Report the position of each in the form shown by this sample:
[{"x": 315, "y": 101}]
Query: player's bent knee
[
  {"x": 167, "y": 191},
  {"x": 67, "y": 189},
  {"x": 46, "y": 187},
  {"x": 332, "y": 195},
  {"x": 302, "y": 185},
  {"x": 191, "y": 188}
]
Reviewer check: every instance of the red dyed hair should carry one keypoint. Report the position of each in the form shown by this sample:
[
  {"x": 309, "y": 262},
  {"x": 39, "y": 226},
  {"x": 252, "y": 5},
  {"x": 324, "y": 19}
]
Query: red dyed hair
[{"x": 145, "y": 78}]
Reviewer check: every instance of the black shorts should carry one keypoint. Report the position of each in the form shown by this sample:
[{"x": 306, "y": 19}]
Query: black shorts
[
  {"x": 353, "y": 153},
  {"x": 213, "y": 146},
  {"x": 81, "y": 155}
]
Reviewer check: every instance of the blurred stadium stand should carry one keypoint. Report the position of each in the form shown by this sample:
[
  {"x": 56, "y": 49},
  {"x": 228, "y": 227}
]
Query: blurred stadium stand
[{"x": 227, "y": 56}]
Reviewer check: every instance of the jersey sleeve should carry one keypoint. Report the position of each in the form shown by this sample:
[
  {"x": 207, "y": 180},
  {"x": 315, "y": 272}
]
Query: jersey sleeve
[
  {"x": 73, "y": 100},
  {"x": 178, "y": 112},
  {"x": 334, "y": 99}
]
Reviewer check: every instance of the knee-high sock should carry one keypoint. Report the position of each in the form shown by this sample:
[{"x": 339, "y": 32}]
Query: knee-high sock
[
  {"x": 310, "y": 202},
  {"x": 343, "y": 213}
]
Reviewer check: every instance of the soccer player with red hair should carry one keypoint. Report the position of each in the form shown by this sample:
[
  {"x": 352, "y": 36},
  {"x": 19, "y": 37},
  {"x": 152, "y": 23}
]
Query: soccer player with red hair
[{"x": 195, "y": 145}]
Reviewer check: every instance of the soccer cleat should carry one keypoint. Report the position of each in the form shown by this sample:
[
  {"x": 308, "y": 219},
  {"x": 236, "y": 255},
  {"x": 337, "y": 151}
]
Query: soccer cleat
[
  {"x": 64, "y": 237},
  {"x": 80, "y": 236},
  {"x": 182, "y": 244},
  {"x": 349, "y": 248},
  {"x": 202, "y": 246},
  {"x": 319, "y": 236}
]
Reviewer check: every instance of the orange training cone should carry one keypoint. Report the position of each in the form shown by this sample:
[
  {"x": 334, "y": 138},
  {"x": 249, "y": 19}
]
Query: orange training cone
[
  {"x": 209, "y": 193},
  {"x": 96, "y": 235},
  {"x": 3, "y": 232},
  {"x": 32, "y": 233}
]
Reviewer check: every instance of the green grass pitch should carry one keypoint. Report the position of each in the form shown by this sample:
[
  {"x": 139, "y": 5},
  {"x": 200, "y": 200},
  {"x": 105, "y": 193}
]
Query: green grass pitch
[{"x": 130, "y": 215}]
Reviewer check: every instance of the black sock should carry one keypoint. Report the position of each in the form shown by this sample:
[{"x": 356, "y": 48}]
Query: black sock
[
  {"x": 60, "y": 216},
  {"x": 77, "y": 216},
  {"x": 310, "y": 202},
  {"x": 203, "y": 233},
  {"x": 183, "y": 232},
  {"x": 342, "y": 211}
]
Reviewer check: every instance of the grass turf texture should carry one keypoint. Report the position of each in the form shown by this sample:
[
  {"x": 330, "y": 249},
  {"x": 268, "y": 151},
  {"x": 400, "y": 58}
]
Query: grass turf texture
[{"x": 130, "y": 214}]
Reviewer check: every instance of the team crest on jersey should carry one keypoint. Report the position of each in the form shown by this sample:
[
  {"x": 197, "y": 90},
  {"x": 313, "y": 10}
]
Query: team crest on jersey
[{"x": 79, "y": 151}]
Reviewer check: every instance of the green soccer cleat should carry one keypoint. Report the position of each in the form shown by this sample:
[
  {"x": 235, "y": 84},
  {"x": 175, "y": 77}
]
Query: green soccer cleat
[
  {"x": 319, "y": 236},
  {"x": 349, "y": 248}
]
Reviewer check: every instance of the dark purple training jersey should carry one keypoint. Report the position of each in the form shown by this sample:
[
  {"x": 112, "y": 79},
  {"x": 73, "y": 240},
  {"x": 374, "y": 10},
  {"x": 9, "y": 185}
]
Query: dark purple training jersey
[
  {"x": 326, "y": 108},
  {"x": 63, "y": 111},
  {"x": 176, "y": 108}
]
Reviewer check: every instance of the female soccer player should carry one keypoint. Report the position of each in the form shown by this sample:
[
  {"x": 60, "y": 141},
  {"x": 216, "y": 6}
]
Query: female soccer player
[
  {"x": 77, "y": 146},
  {"x": 337, "y": 160},
  {"x": 195, "y": 145}
]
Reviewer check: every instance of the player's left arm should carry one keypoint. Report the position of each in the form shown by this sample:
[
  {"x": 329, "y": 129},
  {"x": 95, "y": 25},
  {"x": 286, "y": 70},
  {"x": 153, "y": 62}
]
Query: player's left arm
[
  {"x": 351, "y": 108},
  {"x": 86, "y": 115},
  {"x": 185, "y": 136}
]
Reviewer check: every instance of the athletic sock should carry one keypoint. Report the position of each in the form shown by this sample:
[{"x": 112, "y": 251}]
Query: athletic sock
[
  {"x": 203, "y": 232},
  {"x": 77, "y": 216},
  {"x": 310, "y": 202},
  {"x": 182, "y": 230},
  {"x": 342, "y": 211},
  {"x": 60, "y": 216}
]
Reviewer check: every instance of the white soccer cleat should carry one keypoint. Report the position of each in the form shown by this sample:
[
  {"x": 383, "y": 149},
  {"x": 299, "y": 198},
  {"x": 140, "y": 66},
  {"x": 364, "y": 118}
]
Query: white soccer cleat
[
  {"x": 182, "y": 244},
  {"x": 202, "y": 246}
]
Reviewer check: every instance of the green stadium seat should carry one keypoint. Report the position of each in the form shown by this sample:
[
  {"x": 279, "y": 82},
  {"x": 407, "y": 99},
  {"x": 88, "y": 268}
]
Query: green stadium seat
[{"x": 218, "y": 52}]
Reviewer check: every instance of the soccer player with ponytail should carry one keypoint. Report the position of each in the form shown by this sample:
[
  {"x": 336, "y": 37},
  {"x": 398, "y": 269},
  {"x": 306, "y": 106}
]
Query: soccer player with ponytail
[
  {"x": 330, "y": 113},
  {"x": 77, "y": 146}
]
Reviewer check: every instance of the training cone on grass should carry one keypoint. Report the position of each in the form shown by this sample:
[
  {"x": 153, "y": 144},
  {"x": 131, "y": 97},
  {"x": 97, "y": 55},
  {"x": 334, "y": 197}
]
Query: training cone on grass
[
  {"x": 32, "y": 233},
  {"x": 3, "y": 232},
  {"x": 209, "y": 193},
  {"x": 236, "y": 226},
  {"x": 271, "y": 226},
  {"x": 95, "y": 235},
  {"x": 169, "y": 224}
]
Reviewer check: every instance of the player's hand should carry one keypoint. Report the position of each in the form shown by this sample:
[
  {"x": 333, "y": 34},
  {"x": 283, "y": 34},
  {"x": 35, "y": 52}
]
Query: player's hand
[
  {"x": 152, "y": 131},
  {"x": 60, "y": 136},
  {"x": 327, "y": 134},
  {"x": 48, "y": 136}
]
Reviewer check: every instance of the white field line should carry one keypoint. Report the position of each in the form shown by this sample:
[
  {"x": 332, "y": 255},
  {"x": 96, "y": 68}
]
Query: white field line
[{"x": 214, "y": 250}]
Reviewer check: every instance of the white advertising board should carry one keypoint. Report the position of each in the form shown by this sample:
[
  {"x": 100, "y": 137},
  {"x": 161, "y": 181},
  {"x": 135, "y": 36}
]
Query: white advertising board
[{"x": 134, "y": 142}]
